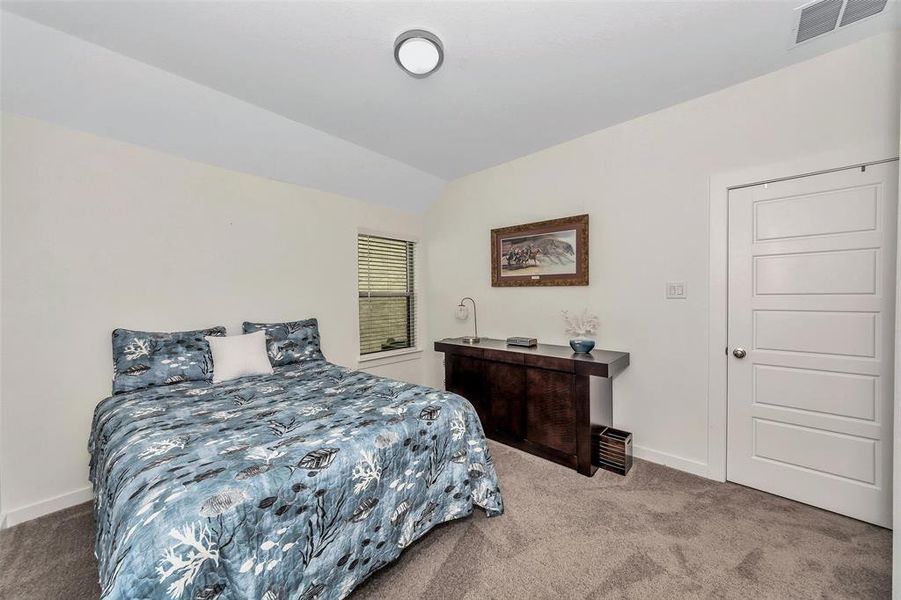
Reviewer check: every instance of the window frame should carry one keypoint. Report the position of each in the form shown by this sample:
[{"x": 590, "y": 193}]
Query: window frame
[{"x": 401, "y": 354}]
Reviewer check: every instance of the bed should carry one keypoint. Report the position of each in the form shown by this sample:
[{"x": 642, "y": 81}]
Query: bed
[{"x": 295, "y": 485}]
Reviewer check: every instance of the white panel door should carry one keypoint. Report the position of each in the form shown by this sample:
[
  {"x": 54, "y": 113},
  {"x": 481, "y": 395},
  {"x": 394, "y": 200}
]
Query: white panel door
[{"x": 811, "y": 307}]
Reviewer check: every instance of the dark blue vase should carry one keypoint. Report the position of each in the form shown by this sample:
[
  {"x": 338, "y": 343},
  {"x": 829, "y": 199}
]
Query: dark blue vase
[{"x": 581, "y": 346}]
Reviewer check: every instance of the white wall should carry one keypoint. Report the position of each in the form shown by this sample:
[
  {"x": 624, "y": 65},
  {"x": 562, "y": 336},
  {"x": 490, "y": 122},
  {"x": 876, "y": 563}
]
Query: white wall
[
  {"x": 645, "y": 184},
  {"x": 98, "y": 234},
  {"x": 2, "y": 513}
]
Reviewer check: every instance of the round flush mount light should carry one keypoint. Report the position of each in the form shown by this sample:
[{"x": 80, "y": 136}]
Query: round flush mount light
[{"x": 418, "y": 52}]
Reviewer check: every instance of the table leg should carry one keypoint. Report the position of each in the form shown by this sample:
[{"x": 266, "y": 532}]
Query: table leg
[{"x": 583, "y": 424}]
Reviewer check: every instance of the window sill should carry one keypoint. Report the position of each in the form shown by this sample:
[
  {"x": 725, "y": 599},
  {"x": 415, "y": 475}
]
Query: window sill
[{"x": 389, "y": 357}]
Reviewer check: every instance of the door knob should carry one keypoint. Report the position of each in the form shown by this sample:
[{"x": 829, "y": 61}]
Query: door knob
[{"x": 739, "y": 353}]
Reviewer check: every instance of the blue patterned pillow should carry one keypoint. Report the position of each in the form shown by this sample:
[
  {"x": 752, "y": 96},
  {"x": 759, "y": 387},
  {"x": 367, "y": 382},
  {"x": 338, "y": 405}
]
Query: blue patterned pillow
[
  {"x": 144, "y": 359},
  {"x": 292, "y": 342}
]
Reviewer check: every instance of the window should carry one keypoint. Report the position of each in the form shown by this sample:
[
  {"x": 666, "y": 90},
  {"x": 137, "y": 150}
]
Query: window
[{"x": 387, "y": 298}]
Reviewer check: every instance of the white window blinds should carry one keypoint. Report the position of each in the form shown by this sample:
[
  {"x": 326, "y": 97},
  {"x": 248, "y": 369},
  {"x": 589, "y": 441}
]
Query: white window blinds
[{"x": 387, "y": 298}]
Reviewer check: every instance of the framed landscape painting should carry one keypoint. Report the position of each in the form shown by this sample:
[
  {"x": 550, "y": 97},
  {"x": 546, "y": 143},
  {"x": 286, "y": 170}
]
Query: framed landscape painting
[{"x": 545, "y": 253}]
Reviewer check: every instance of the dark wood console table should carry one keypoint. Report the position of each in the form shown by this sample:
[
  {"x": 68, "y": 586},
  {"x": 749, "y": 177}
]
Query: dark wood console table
[{"x": 535, "y": 399}]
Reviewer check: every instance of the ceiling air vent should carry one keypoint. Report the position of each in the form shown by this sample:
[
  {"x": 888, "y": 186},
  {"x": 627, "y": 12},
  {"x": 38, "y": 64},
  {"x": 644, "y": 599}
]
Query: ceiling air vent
[
  {"x": 861, "y": 9},
  {"x": 818, "y": 18},
  {"x": 822, "y": 16}
]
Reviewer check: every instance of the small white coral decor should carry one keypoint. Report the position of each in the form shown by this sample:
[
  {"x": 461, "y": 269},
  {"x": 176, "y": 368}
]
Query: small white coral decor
[{"x": 581, "y": 326}]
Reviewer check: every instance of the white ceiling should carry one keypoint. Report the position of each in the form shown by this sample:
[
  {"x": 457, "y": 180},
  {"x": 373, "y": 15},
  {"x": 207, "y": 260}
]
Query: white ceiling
[
  {"x": 64, "y": 80},
  {"x": 517, "y": 76}
]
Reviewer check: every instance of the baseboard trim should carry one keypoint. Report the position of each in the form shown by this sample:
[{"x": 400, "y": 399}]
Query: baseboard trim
[
  {"x": 671, "y": 460},
  {"x": 45, "y": 507}
]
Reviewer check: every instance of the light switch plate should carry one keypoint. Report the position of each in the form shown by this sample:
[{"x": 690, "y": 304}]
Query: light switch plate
[{"x": 676, "y": 290}]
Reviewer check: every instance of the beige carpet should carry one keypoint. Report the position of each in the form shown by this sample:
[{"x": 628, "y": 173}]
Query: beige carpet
[{"x": 657, "y": 533}]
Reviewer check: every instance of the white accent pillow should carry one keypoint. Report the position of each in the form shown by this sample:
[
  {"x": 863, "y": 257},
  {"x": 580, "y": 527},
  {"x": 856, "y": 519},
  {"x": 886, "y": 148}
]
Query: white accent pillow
[{"x": 239, "y": 355}]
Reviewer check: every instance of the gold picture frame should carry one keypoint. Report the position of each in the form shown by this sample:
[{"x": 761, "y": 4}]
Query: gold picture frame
[{"x": 550, "y": 253}]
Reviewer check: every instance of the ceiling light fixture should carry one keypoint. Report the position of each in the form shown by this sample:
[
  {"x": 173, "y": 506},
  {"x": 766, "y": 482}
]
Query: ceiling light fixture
[{"x": 418, "y": 52}]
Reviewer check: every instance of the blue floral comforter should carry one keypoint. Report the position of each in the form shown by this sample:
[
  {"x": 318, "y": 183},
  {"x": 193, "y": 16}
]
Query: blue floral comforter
[{"x": 296, "y": 485}]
